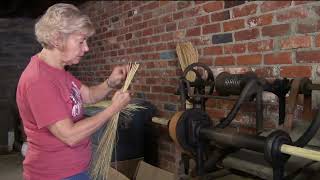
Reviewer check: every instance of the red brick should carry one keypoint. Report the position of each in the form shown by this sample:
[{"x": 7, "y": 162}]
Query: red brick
[
  {"x": 223, "y": 61},
  {"x": 302, "y": 2},
  {"x": 266, "y": 72},
  {"x": 230, "y": 4},
  {"x": 147, "y": 32},
  {"x": 171, "y": 27},
  {"x": 127, "y": 6},
  {"x": 202, "y": 20},
  {"x": 147, "y": 15},
  {"x": 128, "y": 22},
  {"x": 220, "y": 16},
  {"x": 128, "y": 36},
  {"x": 192, "y": 12},
  {"x": 183, "y": 4},
  {"x": 318, "y": 40},
  {"x": 151, "y": 5},
  {"x": 234, "y": 48},
  {"x": 166, "y": 19},
  {"x": 207, "y": 61},
  {"x": 276, "y": 30},
  {"x": 216, "y": 113},
  {"x": 233, "y": 25},
  {"x": 214, "y": 50},
  {"x": 308, "y": 27},
  {"x": 136, "y": 19},
  {"x": 156, "y": 89},
  {"x": 293, "y": 14},
  {"x": 187, "y": 23},
  {"x": 152, "y": 22},
  {"x": 222, "y": 104},
  {"x": 317, "y": 10},
  {"x": 278, "y": 58},
  {"x": 260, "y": 20},
  {"x": 273, "y": 5},
  {"x": 173, "y": 98},
  {"x": 213, "y": 6},
  {"x": 296, "y": 42},
  {"x": 163, "y": 3},
  {"x": 193, "y": 32},
  {"x": 295, "y": 71},
  {"x": 169, "y": 89},
  {"x": 245, "y": 10},
  {"x": 120, "y": 38},
  {"x": 308, "y": 56},
  {"x": 249, "y": 59},
  {"x": 260, "y": 46},
  {"x": 177, "y": 16},
  {"x": 167, "y": 37},
  {"x": 246, "y": 34},
  {"x": 212, "y": 28}
]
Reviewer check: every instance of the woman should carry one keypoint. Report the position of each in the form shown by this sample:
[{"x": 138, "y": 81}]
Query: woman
[{"x": 50, "y": 100}]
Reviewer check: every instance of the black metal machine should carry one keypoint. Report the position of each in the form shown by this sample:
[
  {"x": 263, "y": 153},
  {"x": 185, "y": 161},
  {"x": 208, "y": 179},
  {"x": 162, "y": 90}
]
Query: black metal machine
[{"x": 208, "y": 143}]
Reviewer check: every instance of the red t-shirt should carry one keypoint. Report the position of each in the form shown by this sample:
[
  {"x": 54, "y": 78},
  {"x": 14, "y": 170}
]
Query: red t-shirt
[{"x": 46, "y": 95}]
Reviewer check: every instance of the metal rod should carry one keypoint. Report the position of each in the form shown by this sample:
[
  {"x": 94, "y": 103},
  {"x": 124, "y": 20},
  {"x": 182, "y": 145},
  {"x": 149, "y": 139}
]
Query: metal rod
[
  {"x": 314, "y": 86},
  {"x": 231, "y": 98},
  {"x": 255, "y": 143},
  {"x": 300, "y": 152}
]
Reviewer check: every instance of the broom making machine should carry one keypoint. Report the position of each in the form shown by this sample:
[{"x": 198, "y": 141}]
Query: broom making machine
[{"x": 208, "y": 143}]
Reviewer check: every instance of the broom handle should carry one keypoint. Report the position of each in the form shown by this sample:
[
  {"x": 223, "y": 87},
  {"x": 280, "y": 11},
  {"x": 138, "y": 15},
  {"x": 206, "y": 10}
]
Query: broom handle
[{"x": 300, "y": 152}]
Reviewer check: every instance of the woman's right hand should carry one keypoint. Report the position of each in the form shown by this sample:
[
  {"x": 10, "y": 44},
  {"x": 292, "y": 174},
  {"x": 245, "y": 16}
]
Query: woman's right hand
[{"x": 120, "y": 100}]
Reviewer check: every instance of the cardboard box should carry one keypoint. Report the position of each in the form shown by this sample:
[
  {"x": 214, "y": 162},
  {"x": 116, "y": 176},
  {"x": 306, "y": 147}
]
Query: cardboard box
[
  {"x": 127, "y": 168},
  {"x": 137, "y": 169},
  {"x": 146, "y": 171}
]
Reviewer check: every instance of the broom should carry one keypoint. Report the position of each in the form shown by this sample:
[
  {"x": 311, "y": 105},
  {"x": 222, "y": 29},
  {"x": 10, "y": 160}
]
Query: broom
[
  {"x": 187, "y": 55},
  {"x": 101, "y": 166}
]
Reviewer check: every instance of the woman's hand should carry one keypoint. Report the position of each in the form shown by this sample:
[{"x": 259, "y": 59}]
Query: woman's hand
[
  {"x": 117, "y": 76},
  {"x": 120, "y": 100}
]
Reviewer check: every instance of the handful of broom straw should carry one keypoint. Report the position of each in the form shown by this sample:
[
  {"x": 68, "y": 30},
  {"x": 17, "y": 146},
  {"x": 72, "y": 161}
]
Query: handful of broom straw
[{"x": 102, "y": 162}]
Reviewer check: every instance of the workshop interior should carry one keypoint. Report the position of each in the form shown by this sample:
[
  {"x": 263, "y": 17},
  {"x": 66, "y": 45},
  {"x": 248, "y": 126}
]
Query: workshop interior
[{"x": 231, "y": 89}]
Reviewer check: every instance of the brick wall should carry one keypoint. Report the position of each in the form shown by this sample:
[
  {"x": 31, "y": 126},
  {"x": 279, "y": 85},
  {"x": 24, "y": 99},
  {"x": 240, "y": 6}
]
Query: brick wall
[
  {"x": 275, "y": 39},
  {"x": 16, "y": 46}
]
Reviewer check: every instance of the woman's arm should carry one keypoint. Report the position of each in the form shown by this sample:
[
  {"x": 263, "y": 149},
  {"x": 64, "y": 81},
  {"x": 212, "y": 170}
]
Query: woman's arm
[
  {"x": 96, "y": 93},
  {"x": 72, "y": 133}
]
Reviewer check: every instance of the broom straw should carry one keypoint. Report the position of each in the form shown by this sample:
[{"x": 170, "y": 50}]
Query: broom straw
[{"x": 101, "y": 166}]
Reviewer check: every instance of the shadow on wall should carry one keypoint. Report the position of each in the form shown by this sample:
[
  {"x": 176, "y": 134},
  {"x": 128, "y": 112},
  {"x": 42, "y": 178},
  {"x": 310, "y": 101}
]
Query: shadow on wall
[{"x": 17, "y": 45}]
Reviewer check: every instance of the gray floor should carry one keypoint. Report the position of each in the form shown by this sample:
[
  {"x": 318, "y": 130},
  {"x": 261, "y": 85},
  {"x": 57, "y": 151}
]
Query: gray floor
[{"x": 11, "y": 167}]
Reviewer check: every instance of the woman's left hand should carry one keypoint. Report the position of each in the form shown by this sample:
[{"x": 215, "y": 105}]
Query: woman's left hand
[{"x": 118, "y": 75}]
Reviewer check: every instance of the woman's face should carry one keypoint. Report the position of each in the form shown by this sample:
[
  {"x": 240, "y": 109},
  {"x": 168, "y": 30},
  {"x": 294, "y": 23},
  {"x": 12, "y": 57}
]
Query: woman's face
[{"x": 75, "y": 46}]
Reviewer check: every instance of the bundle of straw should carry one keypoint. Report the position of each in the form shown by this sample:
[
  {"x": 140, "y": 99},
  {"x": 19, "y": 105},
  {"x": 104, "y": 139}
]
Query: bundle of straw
[
  {"x": 102, "y": 162},
  {"x": 187, "y": 55}
]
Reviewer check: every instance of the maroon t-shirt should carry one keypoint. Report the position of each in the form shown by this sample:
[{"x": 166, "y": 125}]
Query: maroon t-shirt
[{"x": 46, "y": 95}]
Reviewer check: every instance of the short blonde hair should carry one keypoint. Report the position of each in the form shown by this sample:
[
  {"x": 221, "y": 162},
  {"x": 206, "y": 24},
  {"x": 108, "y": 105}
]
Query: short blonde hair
[{"x": 59, "y": 21}]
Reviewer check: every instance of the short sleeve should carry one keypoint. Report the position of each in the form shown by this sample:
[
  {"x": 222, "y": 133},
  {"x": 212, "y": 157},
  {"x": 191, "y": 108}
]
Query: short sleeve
[
  {"x": 47, "y": 103},
  {"x": 76, "y": 81}
]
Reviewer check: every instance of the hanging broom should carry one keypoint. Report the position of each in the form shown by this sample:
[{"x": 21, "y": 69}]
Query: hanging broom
[
  {"x": 187, "y": 55},
  {"x": 102, "y": 162}
]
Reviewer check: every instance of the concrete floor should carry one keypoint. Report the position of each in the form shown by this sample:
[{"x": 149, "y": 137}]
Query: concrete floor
[
  {"x": 11, "y": 166},
  {"x": 11, "y": 169}
]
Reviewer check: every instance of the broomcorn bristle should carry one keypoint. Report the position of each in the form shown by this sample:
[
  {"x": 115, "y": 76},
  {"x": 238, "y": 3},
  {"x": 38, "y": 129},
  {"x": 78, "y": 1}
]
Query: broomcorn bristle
[{"x": 101, "y": 164}]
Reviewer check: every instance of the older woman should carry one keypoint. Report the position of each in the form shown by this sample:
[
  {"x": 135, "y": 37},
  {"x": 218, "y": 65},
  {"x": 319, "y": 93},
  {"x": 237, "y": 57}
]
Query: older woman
[{"x": 50, "y": 99}]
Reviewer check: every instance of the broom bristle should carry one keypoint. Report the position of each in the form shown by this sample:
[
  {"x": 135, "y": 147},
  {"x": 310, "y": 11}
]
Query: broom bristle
[
  {"x": 187, "y": 55},
  {"x": 102, "y": 162}
]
